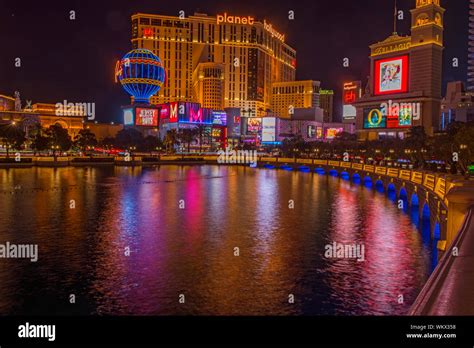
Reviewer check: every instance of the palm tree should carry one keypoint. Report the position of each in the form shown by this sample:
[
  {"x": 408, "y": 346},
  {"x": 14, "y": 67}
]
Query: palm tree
[
  {"x": 187, "y": 136},
  {"x": 12, "y": 136},
  {"x": 84, "y": 139},
  {"x": 170, "y": 140}
]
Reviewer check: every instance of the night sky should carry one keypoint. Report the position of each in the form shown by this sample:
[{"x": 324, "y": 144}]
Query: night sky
[{"x": 75, "y": 60}]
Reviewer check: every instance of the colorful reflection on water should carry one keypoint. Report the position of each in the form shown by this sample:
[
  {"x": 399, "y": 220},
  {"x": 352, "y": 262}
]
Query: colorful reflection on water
[{"x": 182, "y": 225}]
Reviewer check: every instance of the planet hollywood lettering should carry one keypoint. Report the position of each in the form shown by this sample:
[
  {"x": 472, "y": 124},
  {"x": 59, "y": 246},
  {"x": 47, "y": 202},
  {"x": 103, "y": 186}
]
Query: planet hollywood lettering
[
  {"x": 268, "y": 27},
  {"x": 249, "y": 20},
  {"x": 225, "y": 18}
]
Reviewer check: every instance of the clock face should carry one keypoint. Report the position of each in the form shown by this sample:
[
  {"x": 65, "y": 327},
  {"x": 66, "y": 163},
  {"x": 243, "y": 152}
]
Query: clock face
[
  {"x": 422, "y": 19},
  {"x": 438, "y": 19}
]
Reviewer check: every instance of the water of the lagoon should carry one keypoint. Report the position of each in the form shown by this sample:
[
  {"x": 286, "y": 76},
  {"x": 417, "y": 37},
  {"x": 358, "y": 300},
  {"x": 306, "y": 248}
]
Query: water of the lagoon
[{"x": 191, "y": 251}]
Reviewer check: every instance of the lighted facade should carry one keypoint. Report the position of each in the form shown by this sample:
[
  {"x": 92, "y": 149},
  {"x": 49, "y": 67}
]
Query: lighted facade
[
  {"x": 405, "y": 75},
  {"x": 470, "y": 73},
  {"x": 208, "y": 83},
  {"x": 287, "y": 96},
  {"x": 253, "y": 53},
  {"x": 457, "y": 105},
  {"x": 43, "y": 114},
  {"x": 326, "y": 102}
]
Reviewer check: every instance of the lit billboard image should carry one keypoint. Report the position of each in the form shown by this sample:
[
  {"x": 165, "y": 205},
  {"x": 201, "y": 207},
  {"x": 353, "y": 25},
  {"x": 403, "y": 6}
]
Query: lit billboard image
[
  {"x": 332, "y": 133},
  {"x": 174, "y": 112},
  {"x": 374, "y": 119},
  {"x": 164, "y": 112},
  {"x": 351, "y": 93},
  {"x": 254, "y": 125},
  {"x": 146, "y": 117},
  {"x": 128, "y": 118},
  {"x": 219, "y": 118},
  {"x": 391, "y": 75},
  {"x": 193, "y": 113},
  {"x": 269, "y": 130},
  {"x": 399, "y": 116}
]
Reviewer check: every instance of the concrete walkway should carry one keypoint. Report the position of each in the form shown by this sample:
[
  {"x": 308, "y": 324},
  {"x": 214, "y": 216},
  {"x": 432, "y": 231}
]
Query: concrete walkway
[{"x": 450, "y": 289}]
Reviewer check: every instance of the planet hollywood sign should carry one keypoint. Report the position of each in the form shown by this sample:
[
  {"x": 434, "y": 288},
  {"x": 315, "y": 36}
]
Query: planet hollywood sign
[
  {"x": 268, "y": 27},
  {"x": 248, "y": 20}
]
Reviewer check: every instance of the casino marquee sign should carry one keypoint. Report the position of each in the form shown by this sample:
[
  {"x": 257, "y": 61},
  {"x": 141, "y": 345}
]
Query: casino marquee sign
[{"x": 392, "y": 44}]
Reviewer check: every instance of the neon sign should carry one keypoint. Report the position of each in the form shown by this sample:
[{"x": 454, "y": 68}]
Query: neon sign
[
  {"x": 173, "y": 112},
  {"x": 268, "y": 27},
  {"x": 146, "y": 117},
  {"x": 235, "y": 19}
]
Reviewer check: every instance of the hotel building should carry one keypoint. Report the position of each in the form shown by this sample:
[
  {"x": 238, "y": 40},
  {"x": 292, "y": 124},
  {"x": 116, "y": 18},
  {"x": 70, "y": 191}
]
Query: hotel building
[
  {"x": 213, "y": 58},
  {"x": 457, "y": 105},
  {"x": 470, "y": 73},
  {"x": 326, "y": 102},
  {"x": 404, "y": 88},
  {"x": 42, "y": 114},
  {"x": 288, "y": 96}
]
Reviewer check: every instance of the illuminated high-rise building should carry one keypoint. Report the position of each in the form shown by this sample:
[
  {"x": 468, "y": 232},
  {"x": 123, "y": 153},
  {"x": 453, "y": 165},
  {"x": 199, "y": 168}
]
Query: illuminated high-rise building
[
  {"x": 253, "y": 55},
  {"x": 288, "y": 96},
  {"x": 326, "y": 102},
  {"x": 470, "y": 72},
  {"x": 208, "y": 82},
  {"x": 404, "y": 88}
]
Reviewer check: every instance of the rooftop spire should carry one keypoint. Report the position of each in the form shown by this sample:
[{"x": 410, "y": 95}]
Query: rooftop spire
[{"x": 395, "y": 18}]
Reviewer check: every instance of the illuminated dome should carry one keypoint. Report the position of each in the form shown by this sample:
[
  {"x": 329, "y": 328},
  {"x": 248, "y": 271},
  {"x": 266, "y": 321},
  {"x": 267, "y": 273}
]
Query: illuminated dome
[{"x": 141, "y": 74}]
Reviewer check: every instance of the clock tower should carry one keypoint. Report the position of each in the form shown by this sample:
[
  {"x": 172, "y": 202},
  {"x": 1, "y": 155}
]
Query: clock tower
[
  {"x": 426, "y": 58},
  {"x": 407, "y": 71}
]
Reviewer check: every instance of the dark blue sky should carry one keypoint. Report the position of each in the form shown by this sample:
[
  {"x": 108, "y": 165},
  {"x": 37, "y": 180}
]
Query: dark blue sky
[{"x": 74, "y": 60}]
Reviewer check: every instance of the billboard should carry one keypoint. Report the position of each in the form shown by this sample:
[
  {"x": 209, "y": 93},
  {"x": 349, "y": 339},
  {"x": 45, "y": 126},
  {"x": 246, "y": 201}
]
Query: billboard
[
  {"x": 332, "y": 133},
  {"x": 146, "y": 117},
  {"x": 391, "y": 115},
  {"x": 165, "y": 112},
  {"x": 236, "y": 129},
  {"x": 174, "y": 109},
  {"x": 193, "y": 113},
  {"x": 391, "y": 75},
  {"x": 268, "y": 129},
  {"x": 254, "y": 125},
  {"x": 319, "y": 132},
  {"x": 311, "y": 132},
  {"x": 374, "y": 119},
  {"x": 400, "y": 115},
  {"x": 219, "y": 118},
  {"x": 352, "y": 91},
  {"x": 128, "y": 117}
]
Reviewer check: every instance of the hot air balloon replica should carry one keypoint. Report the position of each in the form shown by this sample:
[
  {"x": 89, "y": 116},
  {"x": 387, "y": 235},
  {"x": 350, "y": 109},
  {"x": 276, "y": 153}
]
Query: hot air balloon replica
[{"x": 141, "y": 74}]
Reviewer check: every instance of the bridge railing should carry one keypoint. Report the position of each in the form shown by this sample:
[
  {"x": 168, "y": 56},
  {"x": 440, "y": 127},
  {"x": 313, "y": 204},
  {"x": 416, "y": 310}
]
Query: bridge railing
[{"x": 438, "y": 183}]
